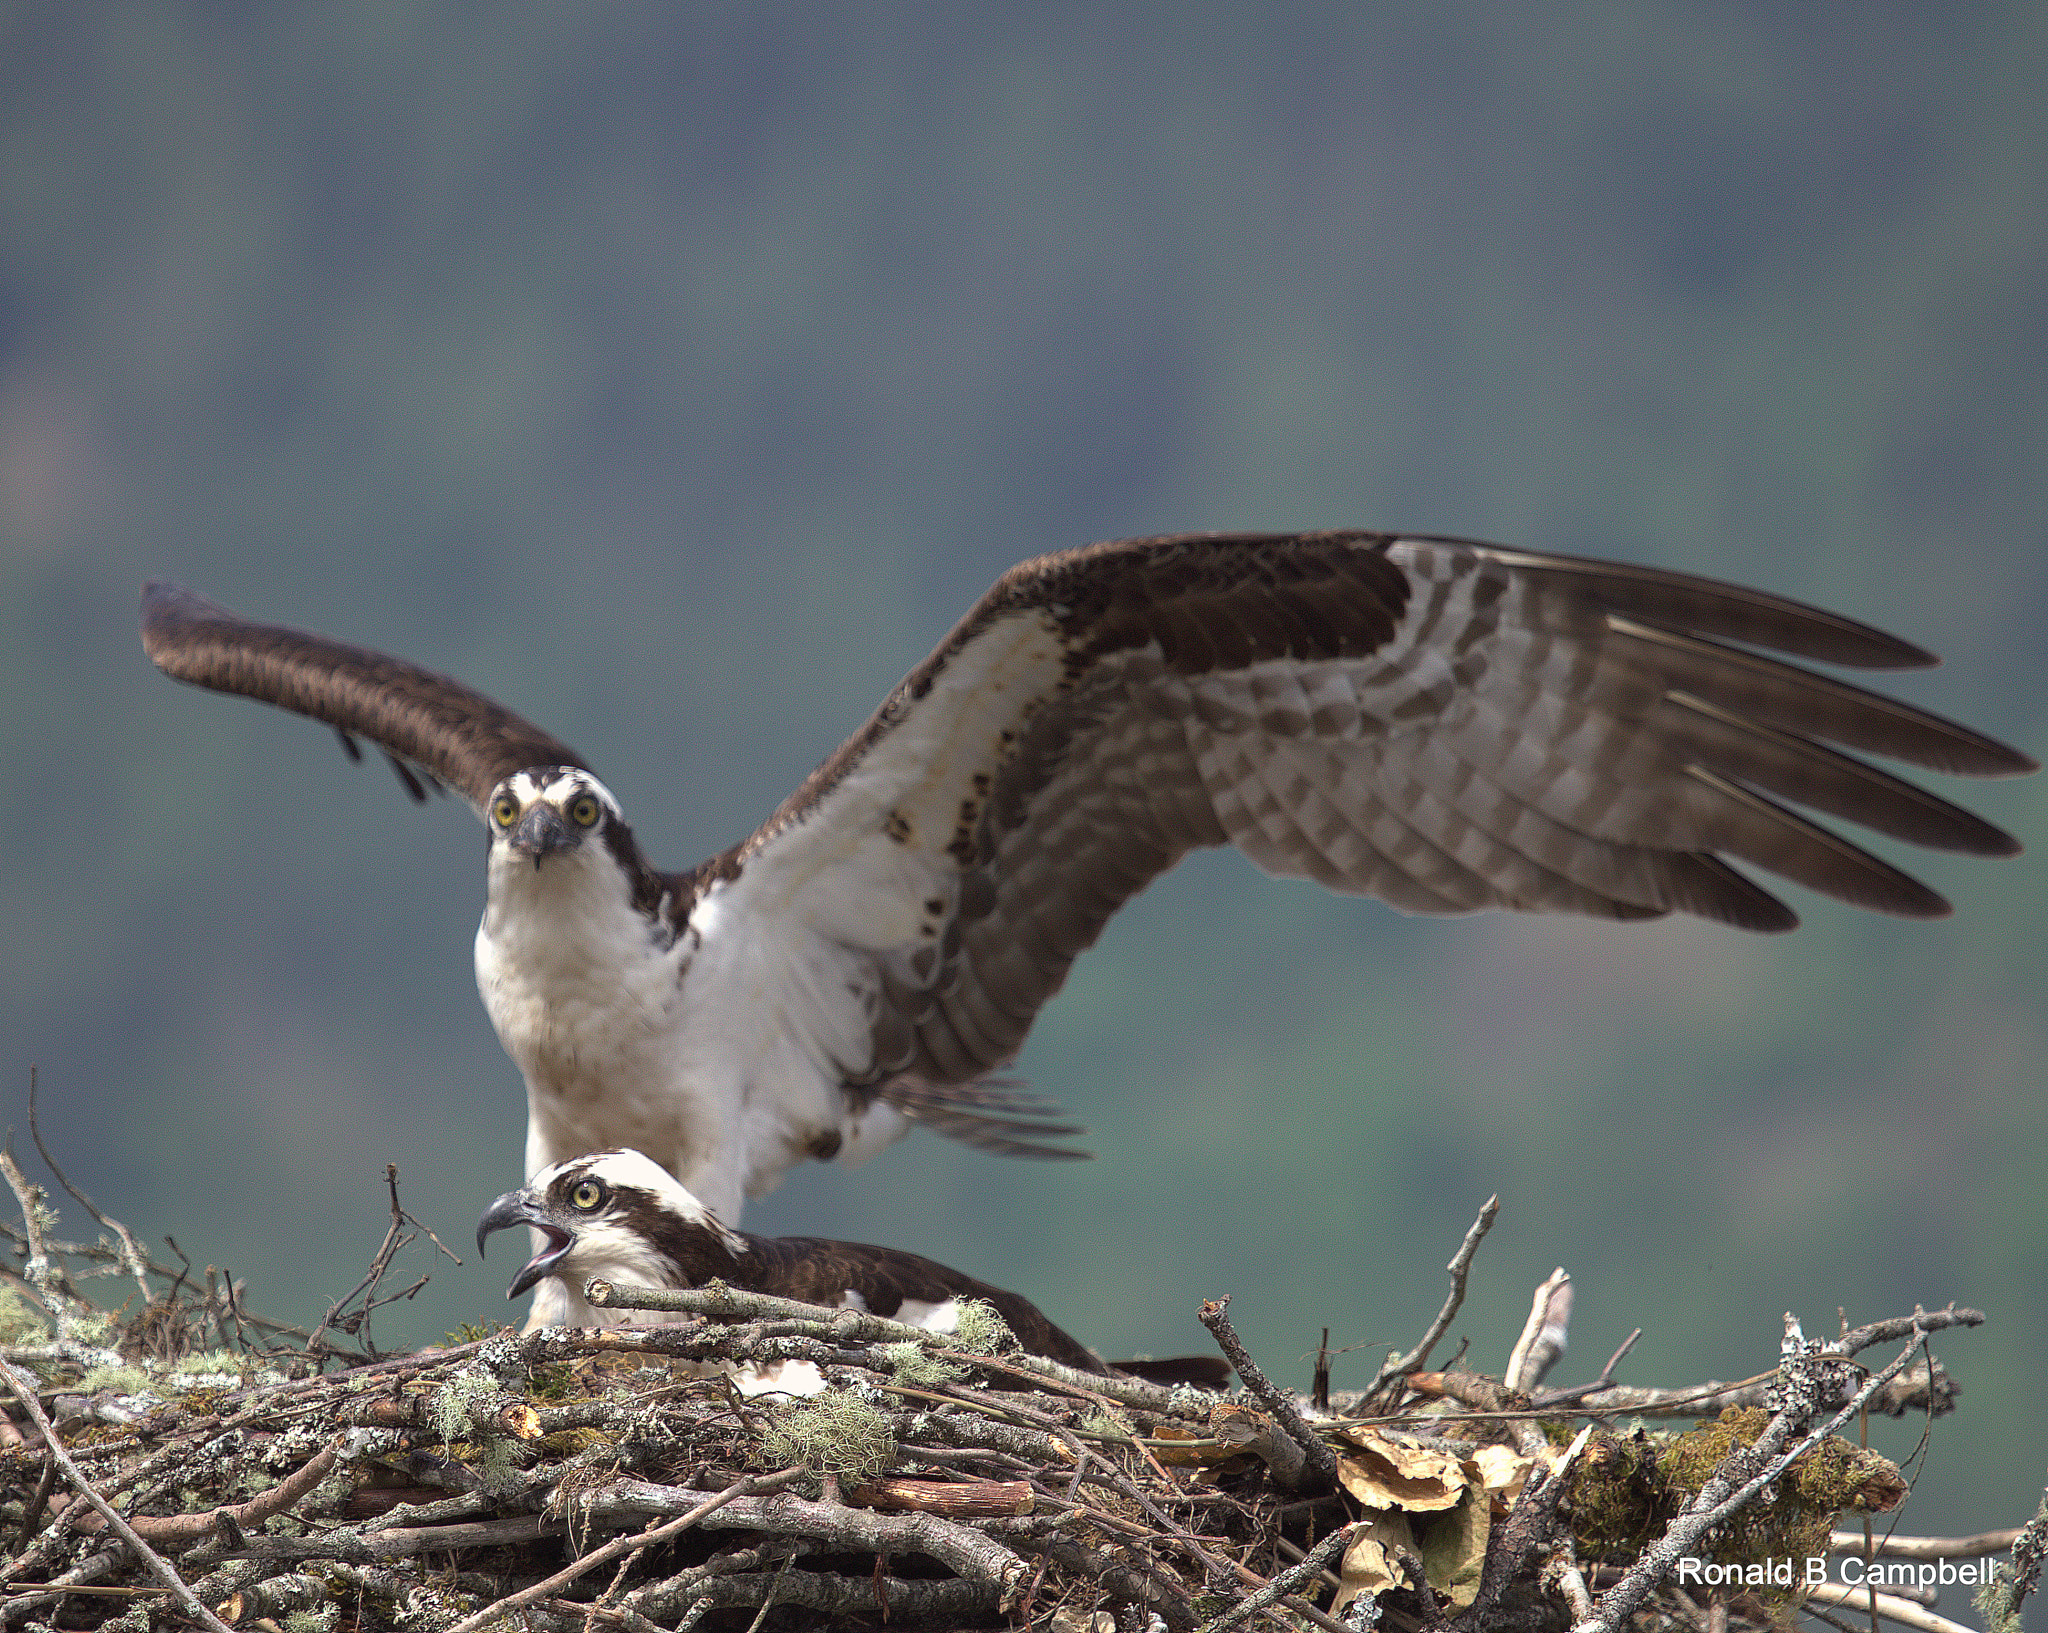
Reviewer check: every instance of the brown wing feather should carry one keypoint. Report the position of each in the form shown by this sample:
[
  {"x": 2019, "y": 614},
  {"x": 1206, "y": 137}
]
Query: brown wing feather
[
  {"x": 1442, "y": 724},
  {"x": 457, "y": 735}
]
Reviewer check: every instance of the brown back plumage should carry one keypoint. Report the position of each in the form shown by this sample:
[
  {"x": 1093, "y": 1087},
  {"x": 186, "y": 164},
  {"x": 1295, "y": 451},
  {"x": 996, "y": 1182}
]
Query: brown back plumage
[{"x": 824, "y": 1271}]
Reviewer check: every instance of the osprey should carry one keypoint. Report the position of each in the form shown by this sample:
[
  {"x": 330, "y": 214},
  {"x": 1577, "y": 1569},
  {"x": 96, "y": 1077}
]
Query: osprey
[
  {"x": 1445, "y": 725},
  {"x": 624, "y": 1217}
]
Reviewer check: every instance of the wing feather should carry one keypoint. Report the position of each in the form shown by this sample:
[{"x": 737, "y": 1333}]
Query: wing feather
[
  {"x": 1444, "y": 725},
  {"x": 453, "y": 733}
]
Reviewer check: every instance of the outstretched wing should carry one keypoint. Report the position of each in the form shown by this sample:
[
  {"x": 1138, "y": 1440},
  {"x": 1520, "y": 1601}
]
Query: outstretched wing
[
  {"x": 1444, "y": 725},
  {"x": 419, "y": 718}
]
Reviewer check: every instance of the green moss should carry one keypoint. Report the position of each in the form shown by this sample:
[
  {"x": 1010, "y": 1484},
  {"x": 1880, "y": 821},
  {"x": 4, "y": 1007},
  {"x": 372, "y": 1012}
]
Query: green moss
[
  {"x": 568, "y": 1443},
  {"x": 833, "y": 1433},
  {"x": 980, "y": 1331},
  {"x": 201, "y": 1401},
  {"x": 91, "y": 1327},
  {"x": 1103, "y": 1425},
  {"x": 40, "y": 1213},
  {"x": 449, "y": 1409},
  {"x": 1626, "y": 1491},
  {"x": 915, "y": 1367},
  {"x": 553, "y": 1383},
  {"x": 21, "y": 1323},
  {"x": 216, "y": 1367},
  {"x": 123, "y": 1380}
]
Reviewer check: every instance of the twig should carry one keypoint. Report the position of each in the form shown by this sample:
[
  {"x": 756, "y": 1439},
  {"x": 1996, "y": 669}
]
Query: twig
[
  {"x": 32, "y": 1516},
  {"x": 395, "y": 1237},
  {"x": 1214, "y": 1314},
  {"x": 1460, "y": 1268},
  {"x": 1495, "y": 1400},
  {"x": 34, "y": 1595},
  {"x": 2017, "y": 1577},
  {"x": 25, "y": 1392},
  {"x": 1530, "y": 1527},
  {"x": 1119, "y": 1580},
  {"x": 953, "y": 1500},
  {"x": 1859, "y": 1339},
  {"x": 1126, "y": 1487},
  {"x": 1285, "y": 1582},
  {"x": 1544, "y": 1335},
  {"x": 1100, "y": 1387},
  {"x": 1888, "y": 1605},
  {"x": 1569, "y": 1576},
  {"x": 963, "y": 1551},
  {"x": 949, "y": 1602},
  {"x": 1984, "y": 1542},
  {"x": 385, "y": 1547},
  {"x": 1578, "y": 1392},
  {"x": 849, "y": 1326},
  {"x": 178, "y": 1530},
  {"x": 38, "y": 1272},
  {"x": 131, "y": 1253},
  {"x": 753, "y": 1483}
]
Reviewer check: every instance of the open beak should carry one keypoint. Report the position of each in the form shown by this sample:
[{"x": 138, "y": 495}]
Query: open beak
[{"x": 520, "y": 1208}]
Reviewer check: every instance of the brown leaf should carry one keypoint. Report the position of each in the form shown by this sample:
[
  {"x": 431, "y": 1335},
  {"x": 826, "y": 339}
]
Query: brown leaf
[
  {"x": 1369, "y": 1566},
  {"x": 1383, "y": 1473},
  {"x": 1454, "y": 1548}
]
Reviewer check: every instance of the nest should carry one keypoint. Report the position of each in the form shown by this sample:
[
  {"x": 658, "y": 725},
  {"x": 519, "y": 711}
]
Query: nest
[{"x": 180, "y": 1459}]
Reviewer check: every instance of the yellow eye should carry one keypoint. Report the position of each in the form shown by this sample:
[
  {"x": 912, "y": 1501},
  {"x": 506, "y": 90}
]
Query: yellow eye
[
  {"x": 587, "y": 1196},
  {"x": 504, "y": 810},
  {"x": 584, "y": 811}
]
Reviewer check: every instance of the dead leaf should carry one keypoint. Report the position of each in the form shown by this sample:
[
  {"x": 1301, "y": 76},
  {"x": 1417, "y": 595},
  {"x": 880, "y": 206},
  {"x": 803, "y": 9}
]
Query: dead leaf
[
  {"x": 1454, "y": 1548},
  {"x": 1384, "y": 1473},
  {"x": 1181, "y": 1458},
  {"x": 1369, "y": 1565},
  {"x": 1504, "y": 1471}
]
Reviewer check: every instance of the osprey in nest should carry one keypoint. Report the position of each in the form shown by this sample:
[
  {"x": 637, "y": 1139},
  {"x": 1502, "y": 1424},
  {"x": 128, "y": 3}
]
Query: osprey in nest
[
  {"x": 623, "y": 1217},
  {"x": 1444, "y": 725}
]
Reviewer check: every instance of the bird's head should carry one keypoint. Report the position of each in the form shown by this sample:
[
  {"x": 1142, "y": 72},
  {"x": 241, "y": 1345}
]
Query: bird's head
[
  {"x": 617, "y": 1214},
  {"x": 544, "y": 811}
]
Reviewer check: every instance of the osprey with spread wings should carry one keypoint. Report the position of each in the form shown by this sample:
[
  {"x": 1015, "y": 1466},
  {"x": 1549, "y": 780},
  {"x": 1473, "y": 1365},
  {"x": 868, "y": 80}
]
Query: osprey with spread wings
[{"x": 1444, "y": 725}]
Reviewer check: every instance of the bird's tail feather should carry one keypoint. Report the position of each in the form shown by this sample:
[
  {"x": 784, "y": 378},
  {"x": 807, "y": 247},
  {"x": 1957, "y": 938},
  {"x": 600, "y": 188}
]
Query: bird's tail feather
[{"x": 994, "y": 1114}]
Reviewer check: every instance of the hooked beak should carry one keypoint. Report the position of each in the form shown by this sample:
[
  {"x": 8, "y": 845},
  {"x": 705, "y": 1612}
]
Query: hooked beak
[
  {"x": 541, "y": 832},
  {"x": 520, "y": 1208}
]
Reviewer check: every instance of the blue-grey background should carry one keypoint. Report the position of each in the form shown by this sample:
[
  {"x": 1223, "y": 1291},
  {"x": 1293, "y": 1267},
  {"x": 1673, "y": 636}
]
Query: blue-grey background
[{"x": 679, "y": 374}]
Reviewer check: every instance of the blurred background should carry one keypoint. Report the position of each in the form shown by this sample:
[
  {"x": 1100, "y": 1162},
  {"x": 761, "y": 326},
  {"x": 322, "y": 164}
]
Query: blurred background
[{"x": 678, "y": 375}]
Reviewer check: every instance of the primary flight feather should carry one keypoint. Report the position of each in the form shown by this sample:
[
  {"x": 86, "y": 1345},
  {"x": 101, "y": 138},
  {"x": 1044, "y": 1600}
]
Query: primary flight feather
[{"x": 1445, "y": 725}]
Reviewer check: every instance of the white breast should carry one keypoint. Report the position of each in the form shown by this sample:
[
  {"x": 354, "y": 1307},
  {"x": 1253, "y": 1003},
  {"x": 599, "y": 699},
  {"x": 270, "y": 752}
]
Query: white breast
[
  {"x": 588, "y": 1004},
  {"x": 696, "y": 1052}
]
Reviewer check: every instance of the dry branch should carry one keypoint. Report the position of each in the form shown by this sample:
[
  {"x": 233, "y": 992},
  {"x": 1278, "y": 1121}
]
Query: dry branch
[
  {"x": 1460, "y": 1269},
  {"x": 1320, "y": 1460}
]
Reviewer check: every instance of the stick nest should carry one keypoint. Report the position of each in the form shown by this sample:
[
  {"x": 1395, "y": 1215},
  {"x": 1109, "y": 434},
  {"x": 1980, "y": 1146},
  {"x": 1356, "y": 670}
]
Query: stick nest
[{"x": 620, "y": 1479}]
